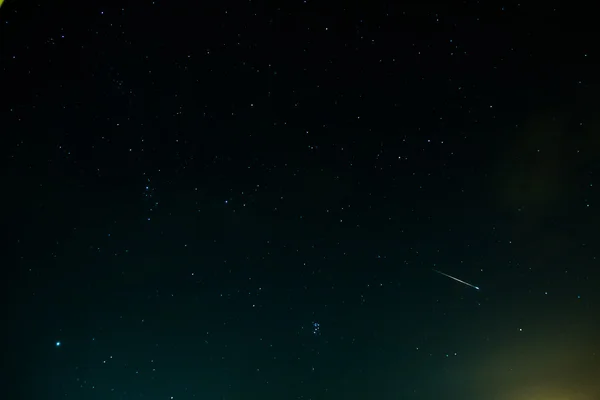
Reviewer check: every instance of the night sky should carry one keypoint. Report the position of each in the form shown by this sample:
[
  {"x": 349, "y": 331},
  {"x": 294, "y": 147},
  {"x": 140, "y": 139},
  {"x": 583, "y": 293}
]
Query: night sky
[{"x": 307, "y": 200}]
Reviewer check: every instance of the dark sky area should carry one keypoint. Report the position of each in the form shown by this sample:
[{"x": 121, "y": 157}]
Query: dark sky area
[{"x": 305, "y": 200}]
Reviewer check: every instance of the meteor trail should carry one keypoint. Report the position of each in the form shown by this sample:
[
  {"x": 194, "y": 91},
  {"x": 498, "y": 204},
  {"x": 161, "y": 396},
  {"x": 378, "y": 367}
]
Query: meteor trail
[{"x": 456, "y": 279}]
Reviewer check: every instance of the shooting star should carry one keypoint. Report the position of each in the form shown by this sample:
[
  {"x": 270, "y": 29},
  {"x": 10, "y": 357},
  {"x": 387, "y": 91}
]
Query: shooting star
[{"x": 456, "y": 279}]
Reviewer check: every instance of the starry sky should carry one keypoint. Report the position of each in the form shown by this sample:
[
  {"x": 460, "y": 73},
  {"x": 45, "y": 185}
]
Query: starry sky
[{"x": 300, "y": 200}]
